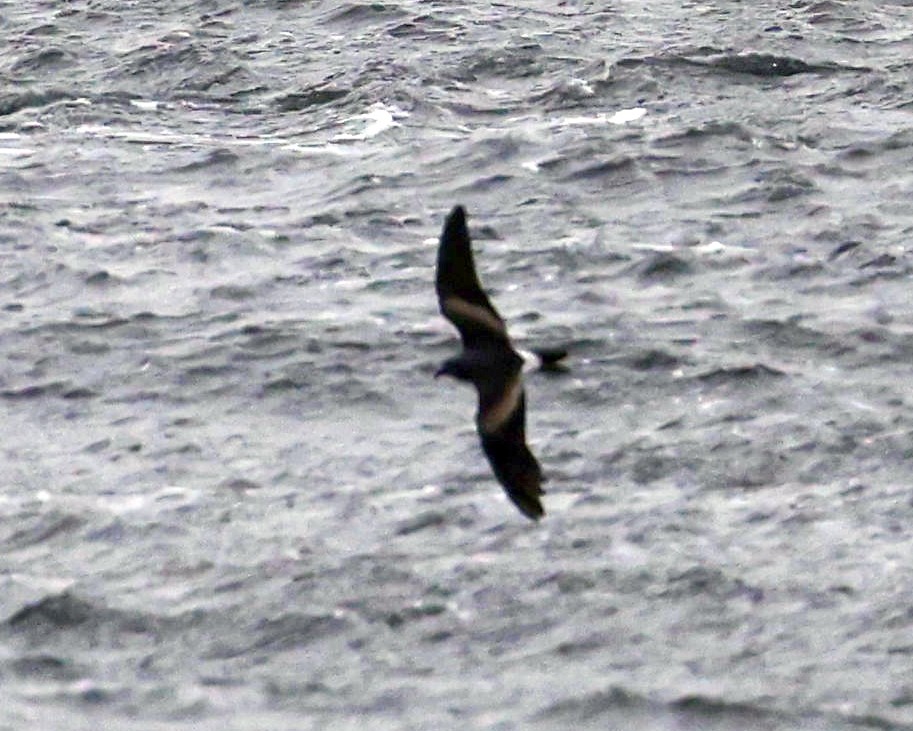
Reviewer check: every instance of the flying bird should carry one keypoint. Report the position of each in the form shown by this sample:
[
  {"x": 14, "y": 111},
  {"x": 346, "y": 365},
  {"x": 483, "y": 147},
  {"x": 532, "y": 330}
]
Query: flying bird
[{"x": 492, "y": 365}]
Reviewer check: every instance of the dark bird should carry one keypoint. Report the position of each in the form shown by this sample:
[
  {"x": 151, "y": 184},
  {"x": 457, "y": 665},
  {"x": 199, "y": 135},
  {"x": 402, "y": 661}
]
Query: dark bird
[{"x": 492, "y": 365}]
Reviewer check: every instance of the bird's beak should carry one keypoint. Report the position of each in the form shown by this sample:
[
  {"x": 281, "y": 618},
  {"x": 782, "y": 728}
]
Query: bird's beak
[{"x": 446, "y": 369}]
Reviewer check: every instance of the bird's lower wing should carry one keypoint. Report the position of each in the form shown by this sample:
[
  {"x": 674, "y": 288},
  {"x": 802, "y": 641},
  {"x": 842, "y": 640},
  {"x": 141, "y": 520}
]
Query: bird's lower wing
[
  {"x": 518, "y": 472},
  {"x": 502, "y": 428}
]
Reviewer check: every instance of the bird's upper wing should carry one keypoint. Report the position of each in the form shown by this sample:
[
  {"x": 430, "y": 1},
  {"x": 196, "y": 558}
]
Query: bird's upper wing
[
  {"x": 461, "y": 297},
  {"x": 502, "y": 427}
]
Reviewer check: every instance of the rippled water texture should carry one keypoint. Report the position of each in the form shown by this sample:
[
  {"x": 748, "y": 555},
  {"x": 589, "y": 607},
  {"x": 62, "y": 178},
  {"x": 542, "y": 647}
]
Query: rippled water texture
[{"x": 235, "y": 497}]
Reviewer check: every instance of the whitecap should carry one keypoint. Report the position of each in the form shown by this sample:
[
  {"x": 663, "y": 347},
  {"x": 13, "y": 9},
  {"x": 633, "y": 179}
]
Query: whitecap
[
  {"x": 374, "y": 122},
  {"x": 624, "y": 116},
  {"x": 146, "y": 105}
]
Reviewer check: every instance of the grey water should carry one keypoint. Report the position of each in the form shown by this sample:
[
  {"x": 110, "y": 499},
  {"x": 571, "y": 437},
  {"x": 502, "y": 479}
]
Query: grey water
[{"x": 234, "y": 497}]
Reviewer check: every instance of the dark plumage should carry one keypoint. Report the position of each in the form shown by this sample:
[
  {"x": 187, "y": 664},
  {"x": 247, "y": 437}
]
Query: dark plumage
[{"x": 492, "y": 365}]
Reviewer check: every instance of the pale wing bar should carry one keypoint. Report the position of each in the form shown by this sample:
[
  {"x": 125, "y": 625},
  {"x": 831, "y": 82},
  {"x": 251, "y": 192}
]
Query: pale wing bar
[
  {"x": 464, "y": 314},
  {"x": 499, "y": 413}
]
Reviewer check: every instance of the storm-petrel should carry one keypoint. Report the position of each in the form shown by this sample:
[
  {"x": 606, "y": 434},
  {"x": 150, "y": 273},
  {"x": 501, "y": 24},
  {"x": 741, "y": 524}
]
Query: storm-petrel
[{"x": 492, "y": 365}]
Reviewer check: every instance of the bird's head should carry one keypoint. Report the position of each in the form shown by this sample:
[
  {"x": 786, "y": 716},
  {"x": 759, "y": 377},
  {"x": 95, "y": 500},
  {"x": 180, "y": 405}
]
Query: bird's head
[{"x": 456, "y": 367}]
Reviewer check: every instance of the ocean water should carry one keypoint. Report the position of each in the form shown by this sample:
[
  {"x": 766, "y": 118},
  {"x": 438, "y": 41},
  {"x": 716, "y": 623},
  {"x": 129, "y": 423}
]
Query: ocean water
[{"x": 233, "y": 495}]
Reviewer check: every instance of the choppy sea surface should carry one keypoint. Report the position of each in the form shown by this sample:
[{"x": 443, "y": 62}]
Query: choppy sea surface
[{"x": 234, "y": 497}]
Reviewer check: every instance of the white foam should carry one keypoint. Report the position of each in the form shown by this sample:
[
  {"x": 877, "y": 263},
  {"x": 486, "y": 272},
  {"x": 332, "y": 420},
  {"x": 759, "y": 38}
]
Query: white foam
[
  {"x": 16, "y": 151},
  {"x": 146, "y": 105},
  {"x": 628, "y": 115},
  {"x": 376, "y": 121},
  {"x": 12, "y": 151},
  {"x": 623, "y": 116}
]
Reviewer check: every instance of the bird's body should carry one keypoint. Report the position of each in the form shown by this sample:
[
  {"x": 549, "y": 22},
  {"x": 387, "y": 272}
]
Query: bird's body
[{"x": 490, "y": 362}]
